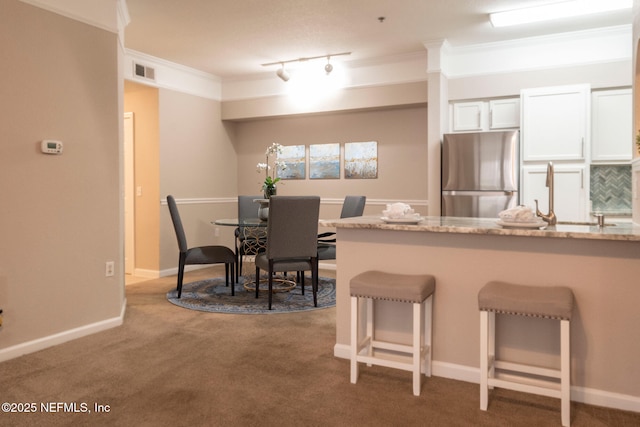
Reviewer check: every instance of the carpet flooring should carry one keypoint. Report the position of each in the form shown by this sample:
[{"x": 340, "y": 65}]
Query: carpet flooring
[{"x": 167, "y": 366}]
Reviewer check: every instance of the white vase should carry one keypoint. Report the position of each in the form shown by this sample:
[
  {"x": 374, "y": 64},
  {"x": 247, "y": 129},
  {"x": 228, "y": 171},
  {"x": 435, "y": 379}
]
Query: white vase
[{"x": 263, "y": 209}]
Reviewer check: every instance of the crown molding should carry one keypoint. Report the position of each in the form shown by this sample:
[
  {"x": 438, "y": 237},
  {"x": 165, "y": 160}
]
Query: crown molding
[
  {"x": 609, "y": 44},
  {"x": 100, "y": 14}
]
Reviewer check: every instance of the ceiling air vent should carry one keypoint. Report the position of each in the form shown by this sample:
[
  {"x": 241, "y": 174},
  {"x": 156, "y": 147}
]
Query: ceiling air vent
[{"x": 143, "y": 71}]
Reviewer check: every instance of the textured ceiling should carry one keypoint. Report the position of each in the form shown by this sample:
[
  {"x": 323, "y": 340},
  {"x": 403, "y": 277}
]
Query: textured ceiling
[{"x": 232, "y": 38}]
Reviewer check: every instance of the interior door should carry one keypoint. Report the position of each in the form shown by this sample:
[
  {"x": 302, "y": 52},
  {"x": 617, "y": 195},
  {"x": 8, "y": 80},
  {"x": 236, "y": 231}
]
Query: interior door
[{"x": 129, "y": 196}]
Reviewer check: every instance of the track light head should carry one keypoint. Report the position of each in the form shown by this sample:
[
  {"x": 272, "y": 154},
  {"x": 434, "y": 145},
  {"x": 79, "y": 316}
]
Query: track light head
[
  {"x": 283, "y": 74},
  {"x": 328, "y": 68}
]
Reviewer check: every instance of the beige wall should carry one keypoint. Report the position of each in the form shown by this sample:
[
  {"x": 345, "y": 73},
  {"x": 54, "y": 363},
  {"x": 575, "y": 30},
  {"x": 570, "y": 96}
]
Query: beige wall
[
  {"x": 599, "y": 75},
  {"x": 198, "y": 166},
  {"x": 401, "y": 134},
  {"x": 352, "y": 99},
  {"x": 60, "y": 214},
  {"x": 143, "y": 102},
  {"x": 182, "y": 148}
]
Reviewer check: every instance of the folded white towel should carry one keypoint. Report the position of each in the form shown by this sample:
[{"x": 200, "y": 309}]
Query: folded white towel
[
  {"x": 518, "y": 214},
  {"x": 398, "y": 210}
]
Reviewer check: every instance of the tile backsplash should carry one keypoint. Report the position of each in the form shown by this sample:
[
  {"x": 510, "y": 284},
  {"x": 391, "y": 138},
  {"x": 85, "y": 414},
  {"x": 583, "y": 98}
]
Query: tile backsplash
[{"x": 611, "y": 189}]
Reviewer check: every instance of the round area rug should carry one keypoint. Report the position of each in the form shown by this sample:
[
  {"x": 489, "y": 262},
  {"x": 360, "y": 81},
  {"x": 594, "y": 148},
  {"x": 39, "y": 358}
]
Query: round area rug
[{"x": 213, "y": 296}]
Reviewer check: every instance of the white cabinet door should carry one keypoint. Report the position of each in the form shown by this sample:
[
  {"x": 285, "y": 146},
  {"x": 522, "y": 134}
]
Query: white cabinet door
[
  {"x": 570, "y": 184},
  {"x": 504, "y": 113},
  {"x": 555, "y": 123},
  {"x": 611, "y": 126},
  {"x": 468, "y": 116}
]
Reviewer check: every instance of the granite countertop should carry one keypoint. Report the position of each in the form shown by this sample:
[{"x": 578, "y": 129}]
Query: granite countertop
[{"x": 619, "y": 231}]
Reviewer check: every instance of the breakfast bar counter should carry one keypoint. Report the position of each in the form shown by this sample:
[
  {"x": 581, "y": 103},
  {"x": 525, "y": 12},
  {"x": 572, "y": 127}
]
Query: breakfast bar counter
[
  {"x": 573, "y": 230},
  {"x": 600, "y": 264}
]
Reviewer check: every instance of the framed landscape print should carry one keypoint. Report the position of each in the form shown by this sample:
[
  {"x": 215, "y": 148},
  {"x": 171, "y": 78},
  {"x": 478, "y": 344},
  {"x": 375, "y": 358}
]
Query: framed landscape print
[
  {"x": 361, "y": 160},
  {"x": 295, "y": 157},
  {"x": 324, "y": 161}
]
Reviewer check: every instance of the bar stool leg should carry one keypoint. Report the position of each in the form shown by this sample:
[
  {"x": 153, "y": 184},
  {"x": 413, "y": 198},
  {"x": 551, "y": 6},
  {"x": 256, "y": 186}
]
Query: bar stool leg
[
  {"x": 484, "y": 355},
  {"x": 354, "y": 339},
  {"x": 492, "y": 346},
  {"x": 565, "y": 372},
  {"x": 428, "y": 318},
  {"x": 417, "y": 348},
  {"x": 370, "y": 329}
]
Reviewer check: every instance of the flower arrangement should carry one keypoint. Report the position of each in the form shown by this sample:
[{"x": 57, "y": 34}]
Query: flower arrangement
[{"x": 270, "y": 180}]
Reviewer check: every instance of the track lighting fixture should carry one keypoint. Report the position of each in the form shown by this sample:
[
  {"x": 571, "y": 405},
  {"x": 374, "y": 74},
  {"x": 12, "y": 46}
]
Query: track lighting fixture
[{"x": 284, "y": 75}]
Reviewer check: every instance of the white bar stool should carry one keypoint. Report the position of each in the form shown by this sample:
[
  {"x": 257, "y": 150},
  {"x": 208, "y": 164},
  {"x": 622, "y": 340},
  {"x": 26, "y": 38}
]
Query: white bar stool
[
  {"x": 378, "y": 285},
  {"x": 534, "y": 301}
]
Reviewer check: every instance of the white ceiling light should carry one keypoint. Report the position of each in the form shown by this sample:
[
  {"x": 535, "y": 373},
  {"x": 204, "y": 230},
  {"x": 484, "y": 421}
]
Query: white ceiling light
[
  {"x": 564, "y": 9},
  {"x": 328, "y": 68},
  {"x": 284, "y": 75}
]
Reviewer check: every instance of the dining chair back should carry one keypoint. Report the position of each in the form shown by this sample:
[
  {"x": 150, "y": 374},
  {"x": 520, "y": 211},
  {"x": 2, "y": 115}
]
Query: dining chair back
[
  {"x": 215, "y": 254},
  {"x": 352, "y": 206},
  {"x": 247, "y": 208},
  {"x": 291, "y": 239}
]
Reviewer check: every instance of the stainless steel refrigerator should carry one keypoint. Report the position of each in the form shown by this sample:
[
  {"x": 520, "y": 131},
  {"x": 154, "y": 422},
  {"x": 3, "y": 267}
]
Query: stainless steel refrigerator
[{"x": 480, "y": 173}]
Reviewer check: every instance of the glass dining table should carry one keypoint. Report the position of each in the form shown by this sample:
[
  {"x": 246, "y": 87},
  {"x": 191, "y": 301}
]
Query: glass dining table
[
  {"x": 252, "y": 233},
  {"x": 251, "y": 239}
]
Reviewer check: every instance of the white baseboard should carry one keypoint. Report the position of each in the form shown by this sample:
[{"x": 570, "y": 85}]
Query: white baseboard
[
  {"x": 327, "y": 266},
  {"x": 173, "y": 271},
  {"x": 62, "y": 337},
  {"x": 151, "y": 274},
  {"x": 607, "y": 399},
  {"x": 469, "y": 374}
]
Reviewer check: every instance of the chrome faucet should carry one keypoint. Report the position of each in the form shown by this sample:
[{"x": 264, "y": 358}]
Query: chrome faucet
[{"x": 550, "y": 218}]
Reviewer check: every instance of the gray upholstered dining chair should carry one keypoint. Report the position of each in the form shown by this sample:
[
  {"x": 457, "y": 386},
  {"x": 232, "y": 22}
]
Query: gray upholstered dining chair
[
  {"x": 200, "y": 254},
  {"x": 352, "y": 206},
  {"x": 292, "y": 233},
  {"x": 247, "y": 243}
]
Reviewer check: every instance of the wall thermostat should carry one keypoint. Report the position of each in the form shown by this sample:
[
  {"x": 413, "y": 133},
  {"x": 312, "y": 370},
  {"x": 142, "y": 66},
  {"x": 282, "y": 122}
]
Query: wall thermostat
[{"x": 50, "y": 146}]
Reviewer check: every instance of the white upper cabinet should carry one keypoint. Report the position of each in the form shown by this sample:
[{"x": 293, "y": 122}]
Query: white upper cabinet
[
  {"x": 611, "y": 126},
  {"x": 468, "y": 116},
  {"x": 504, "y": 113},
  {"x": 485, "y": 115},
  {"x": 555, "y": 123}
]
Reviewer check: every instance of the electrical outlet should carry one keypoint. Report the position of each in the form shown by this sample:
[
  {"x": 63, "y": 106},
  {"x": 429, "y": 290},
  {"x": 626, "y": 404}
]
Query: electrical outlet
[{"x": 109, "y": 269}]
